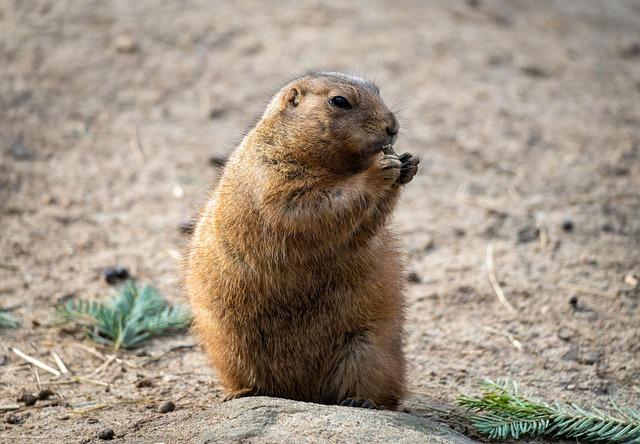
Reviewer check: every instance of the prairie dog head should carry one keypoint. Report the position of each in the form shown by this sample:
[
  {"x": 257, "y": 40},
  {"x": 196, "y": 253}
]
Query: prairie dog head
[{"x": 331, "y": 120}]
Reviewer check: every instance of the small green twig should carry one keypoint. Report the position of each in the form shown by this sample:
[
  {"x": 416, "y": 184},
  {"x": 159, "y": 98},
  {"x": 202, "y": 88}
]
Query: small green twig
[{"x": 501, "y": 412}]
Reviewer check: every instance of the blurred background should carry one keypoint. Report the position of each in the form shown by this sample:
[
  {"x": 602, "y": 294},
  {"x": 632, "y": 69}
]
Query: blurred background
[{"x": 116, "y": 115}]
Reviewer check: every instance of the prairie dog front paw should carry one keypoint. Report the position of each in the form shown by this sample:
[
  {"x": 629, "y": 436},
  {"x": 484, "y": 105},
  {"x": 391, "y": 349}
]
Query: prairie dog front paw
[
  {"x": 409, "y": 167},
  {"x": 389, "y": 166}
]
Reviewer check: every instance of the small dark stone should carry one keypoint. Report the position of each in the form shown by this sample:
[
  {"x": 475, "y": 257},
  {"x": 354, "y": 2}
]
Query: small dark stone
[
  {"x": 607, "y": 228},
  {"x": 113, "y": 275},
  {"x": 459, "y": 232},
  {"x": 630, "y": 51},
  {"x": 473, "y": 3},
  {"x": 29, "y": 399},
  {"x": 528, "y": 234},
  {"x": 166, "y": 407},
  {"x": 534, "y": 137},
  {"x": 571, "y": 355},
  {"x": 426, "y": 246},
  {"x": 565, "y": 334},
  {"x": 187, "y": 226},
  {"x": 567, "y": 225},
  {"x": 214, "y": 113},
  {"x": 19, "y": 151},
  {"x": 218, "y": 161},
  {"x": 106, "y": 434},
  {"x": 144, "y": 383},
  {"x": 573, "y": 301},
  {"x": 534, "y": 71},
  {"x": 414, "y": 277},
  {"x": 3, "y": 359},
  {"x": 12, "y": 418},
  {"x": 45, "y": 394},
  {"x": 589, "y": 358},
  {"x": 92, "y": 420}
]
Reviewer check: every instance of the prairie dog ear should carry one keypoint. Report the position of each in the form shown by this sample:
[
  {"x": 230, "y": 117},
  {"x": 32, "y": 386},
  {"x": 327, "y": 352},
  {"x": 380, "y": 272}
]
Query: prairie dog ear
[{"x": 293, "y": 97}]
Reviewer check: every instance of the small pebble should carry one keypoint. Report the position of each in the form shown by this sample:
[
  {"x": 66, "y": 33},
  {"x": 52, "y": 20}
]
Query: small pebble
[
  {"x": 583, "y": 386},
  {"x": 573, "y": 301},
  {"x": 19, "y": 151},
  {"x": 12, "y": 418},
  {"x": 607, "y": 228},
  {"x": 414, "y": 277},
  {"x": 426, "y": 245},
  {"x": 565, "y": 334},
  {"x": 166, "y": 407},
  {"x": 629, "y": 279},
  {"x": 571, "y": 387},
  {"x": 106, "y": 434},
  {"x": 45, "y": 394},
  {"x": 3, "y": 359},
  {"x": 29, "y": 399},
  {"x": 214, "y": 113},
  {"x": 144, "y": 383},
  {"x": 567, "y": 225},
  {"x": 589, "y": 358},
  {"x": 459, "y": 232},
  {"x": 571, "y": 355},
  {"x": 113, "y": 275},
  {"x": 528, "y": 234},
  {"x": 534, "y": 71},
  {"x": 63, "y": 417},
  {"x": 125, "y": 44},
  {"x": 630, "y": 50}
]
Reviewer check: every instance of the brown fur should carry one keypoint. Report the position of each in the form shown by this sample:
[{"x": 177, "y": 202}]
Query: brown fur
[{"x": 294, "y": 279}]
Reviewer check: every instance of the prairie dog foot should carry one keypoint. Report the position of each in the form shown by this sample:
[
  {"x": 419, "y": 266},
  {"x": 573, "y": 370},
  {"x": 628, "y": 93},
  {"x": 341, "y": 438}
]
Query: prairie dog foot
[
  {"x": 362, "y": 403},
  {"x": 242, "y": 393}
]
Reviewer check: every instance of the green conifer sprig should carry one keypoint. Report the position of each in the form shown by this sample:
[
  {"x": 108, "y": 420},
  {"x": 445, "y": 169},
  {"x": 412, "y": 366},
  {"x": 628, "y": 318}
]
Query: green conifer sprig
[
  {"x": 7, "y": 320},
  {"x": 132, "y": 316},
  {"x": 504, "y": 413}
]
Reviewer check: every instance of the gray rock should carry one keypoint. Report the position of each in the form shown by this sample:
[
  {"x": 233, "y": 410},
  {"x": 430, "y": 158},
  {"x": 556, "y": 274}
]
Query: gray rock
[
  {"x": 19, "y": 151},
  {"x": 271, "y": 420}
]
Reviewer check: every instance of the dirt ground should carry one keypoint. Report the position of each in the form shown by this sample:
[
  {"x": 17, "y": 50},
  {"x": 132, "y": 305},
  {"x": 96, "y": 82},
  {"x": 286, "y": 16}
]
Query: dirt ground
[{"x": 525, "y": 115}]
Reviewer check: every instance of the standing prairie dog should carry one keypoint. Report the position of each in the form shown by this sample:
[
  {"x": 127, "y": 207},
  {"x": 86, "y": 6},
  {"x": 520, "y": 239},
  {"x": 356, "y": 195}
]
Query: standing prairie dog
[{"x": 294, "y": 278}]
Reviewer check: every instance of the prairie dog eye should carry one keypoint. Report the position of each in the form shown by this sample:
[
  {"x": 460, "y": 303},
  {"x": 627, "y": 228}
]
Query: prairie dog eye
[{"x": 340, "y": 102}]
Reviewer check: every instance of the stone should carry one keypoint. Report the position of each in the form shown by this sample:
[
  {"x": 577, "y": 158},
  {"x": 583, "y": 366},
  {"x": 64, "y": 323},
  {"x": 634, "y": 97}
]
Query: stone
[
  {"x": 565, "y": 334},
  {"x": 528, "y": 234},
  {"x": 267, "y": 420},
  {"x": 19, "y": 151},
  {"x": 125, "y": 44},
  {"x": 589, "y": 358},
  {"x": 166, "y": 407},
  {"x": 106, "y": 434}
]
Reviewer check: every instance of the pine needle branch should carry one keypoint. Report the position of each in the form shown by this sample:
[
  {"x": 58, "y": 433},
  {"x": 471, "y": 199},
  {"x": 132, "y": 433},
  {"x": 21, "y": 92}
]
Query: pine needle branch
[
  {"x": 501, "y": 413},
  {"x": 131, "y": 317},
  {"x": 7, "y": 320}
]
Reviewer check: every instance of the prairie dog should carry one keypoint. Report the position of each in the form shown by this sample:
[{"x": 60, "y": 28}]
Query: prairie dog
[{"x": 294, "y": 278}]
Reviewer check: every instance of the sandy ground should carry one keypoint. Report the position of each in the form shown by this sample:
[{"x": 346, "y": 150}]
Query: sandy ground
[{"x": 525, "y": 115}]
